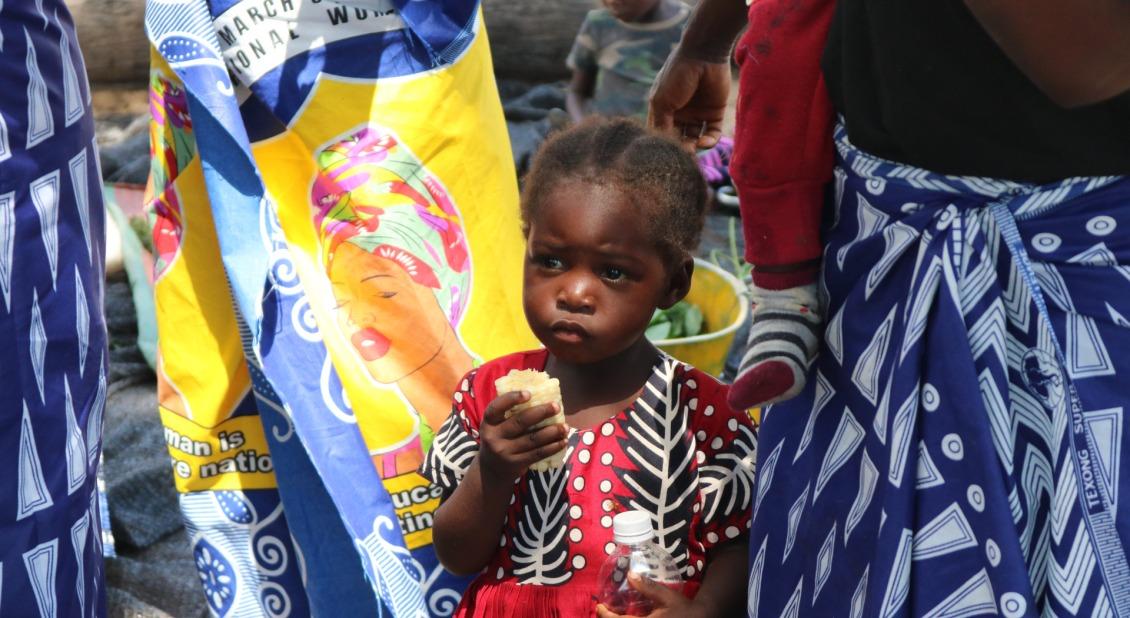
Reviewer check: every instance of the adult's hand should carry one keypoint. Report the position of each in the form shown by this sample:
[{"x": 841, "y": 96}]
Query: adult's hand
[{"x": 688, "y": 99}]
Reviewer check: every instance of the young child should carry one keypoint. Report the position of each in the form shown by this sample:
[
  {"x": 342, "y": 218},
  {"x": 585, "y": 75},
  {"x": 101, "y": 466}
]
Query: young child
[
  {"x": 611, "y": 213},
  {"x": 617, "y": 54}
]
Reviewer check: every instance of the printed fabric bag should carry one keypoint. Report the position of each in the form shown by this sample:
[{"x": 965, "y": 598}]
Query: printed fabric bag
[{"x": 336, "y": 244}]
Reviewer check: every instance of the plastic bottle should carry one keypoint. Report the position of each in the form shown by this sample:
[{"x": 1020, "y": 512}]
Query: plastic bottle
[{"x": 636, "y": 552}]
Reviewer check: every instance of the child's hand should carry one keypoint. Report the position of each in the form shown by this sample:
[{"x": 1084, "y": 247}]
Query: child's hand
[
  {"x": 668, "y": 602},
  {"x": 508, "y": 447}
]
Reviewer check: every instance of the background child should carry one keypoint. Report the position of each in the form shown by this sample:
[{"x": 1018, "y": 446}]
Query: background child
[
  {"x": 611, "y": 213},
  {"x": 618, "y": 52}
]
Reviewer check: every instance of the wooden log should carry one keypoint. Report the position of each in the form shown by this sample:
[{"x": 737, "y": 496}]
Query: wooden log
[
  {"x": 530, "y": 39},
  {"x": 111, "y": 34}
]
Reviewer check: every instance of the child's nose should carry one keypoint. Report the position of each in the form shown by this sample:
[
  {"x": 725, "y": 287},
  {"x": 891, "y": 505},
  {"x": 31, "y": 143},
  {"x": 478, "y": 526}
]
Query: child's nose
[{"x": 576, "y": 295}]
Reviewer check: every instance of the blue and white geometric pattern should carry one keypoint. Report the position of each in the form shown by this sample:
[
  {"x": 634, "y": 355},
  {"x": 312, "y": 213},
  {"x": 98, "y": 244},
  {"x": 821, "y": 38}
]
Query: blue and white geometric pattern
[
  {"x": 52, "y": 334},
  {"x": 964, "y": 432}
]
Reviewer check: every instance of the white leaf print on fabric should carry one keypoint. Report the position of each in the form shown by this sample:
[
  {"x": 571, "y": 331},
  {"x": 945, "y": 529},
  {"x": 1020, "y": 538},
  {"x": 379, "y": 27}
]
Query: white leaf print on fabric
[
  {"x": 731, "y": 479},
  {"x": 540, "y": 547},
  {"x": 659, "y": 447}
]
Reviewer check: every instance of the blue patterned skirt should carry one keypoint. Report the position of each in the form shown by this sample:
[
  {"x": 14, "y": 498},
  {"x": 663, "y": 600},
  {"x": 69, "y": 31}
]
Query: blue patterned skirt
[
  {"x": 958, "y": 449},
  {"x": 53, "y": 357}
]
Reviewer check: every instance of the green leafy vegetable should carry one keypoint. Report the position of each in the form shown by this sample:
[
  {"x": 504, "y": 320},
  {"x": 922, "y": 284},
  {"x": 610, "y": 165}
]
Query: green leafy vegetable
[{"x": 681, "y": 320}]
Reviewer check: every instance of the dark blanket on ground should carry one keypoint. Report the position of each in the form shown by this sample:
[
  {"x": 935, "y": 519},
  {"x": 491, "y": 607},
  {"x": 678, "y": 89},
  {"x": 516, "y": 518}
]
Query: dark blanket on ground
[{"x": 153, "y": 574}]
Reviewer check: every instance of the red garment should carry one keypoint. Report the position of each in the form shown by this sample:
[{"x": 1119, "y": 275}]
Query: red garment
[
  {"x": 678, "y": 452},
  {"x": 783, "y": 149}
]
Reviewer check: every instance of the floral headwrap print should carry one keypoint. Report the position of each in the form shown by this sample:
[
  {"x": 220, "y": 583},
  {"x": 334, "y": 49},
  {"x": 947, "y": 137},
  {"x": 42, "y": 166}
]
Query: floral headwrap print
[
  {"x": 370, "y": 190},
  {"x": 171, "y": 148}
]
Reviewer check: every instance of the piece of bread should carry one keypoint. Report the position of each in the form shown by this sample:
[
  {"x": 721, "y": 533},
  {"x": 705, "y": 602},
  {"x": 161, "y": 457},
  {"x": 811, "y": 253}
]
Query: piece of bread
[{"x": 543, "y": 389}]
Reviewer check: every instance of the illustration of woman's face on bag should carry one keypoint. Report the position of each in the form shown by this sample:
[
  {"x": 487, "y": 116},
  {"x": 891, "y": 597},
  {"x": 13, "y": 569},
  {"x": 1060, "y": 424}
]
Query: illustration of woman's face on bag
[{"x": 394, "y": 252}]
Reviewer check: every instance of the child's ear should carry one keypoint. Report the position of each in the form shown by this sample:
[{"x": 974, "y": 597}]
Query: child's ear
[{"x": 679, "y": 282}]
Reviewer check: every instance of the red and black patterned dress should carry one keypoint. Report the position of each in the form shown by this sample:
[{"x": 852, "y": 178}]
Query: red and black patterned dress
[{"x": 678, "y": 452}]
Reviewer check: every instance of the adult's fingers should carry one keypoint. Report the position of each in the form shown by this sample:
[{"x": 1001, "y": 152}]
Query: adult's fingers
[
  {"x": 495, "y": 414},
  {"x": 711, "y": 136},
  {"x": 674, "y": 86},
  {"x": 602, "y": 611}
]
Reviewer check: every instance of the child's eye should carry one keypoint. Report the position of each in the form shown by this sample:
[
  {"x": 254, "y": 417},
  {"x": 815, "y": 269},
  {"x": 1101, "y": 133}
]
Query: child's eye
[
  {"x": 613, "y": 274},
  {"x": 550, "y": 262}
]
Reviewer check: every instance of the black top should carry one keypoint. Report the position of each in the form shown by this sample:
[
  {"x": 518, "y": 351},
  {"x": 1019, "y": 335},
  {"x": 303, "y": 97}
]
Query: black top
[{"x": 921, "y": 82}]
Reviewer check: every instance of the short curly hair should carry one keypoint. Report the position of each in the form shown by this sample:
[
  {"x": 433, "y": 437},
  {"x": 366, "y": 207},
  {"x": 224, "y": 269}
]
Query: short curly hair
[{"x": 661, "y": 178}]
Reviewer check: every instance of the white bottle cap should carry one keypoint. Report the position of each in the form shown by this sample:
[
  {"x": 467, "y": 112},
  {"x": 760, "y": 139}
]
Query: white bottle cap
[{"x": 632, "y": 527}]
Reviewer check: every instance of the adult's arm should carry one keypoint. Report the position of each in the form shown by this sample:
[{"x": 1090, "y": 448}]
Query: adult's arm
[
  {"x": 690, "y": 93},
  {"x": 1076, "y": 51}
]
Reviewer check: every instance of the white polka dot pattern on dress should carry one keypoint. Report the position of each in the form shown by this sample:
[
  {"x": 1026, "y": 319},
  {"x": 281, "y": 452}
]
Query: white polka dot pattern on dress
[
  {"x": 732, "y": 532},
  {"x": 579, "y": 483},
  {"x": 588, "y": 438},
  {"x": 606, "y": 486},
  {"x": 609, "y": 547},
  {"x": 576, "y": 535},
  {"x": 606, "y": 504},
  {"x": 700, "y": 436},
  {"x": 583, "y": 456},
  {"x": 606, "y": 459},
  {"x": 575, "y": 511},
  {"x": 709, "y": 411},
  {"x": 578, "y": 562},
  {"x": 606, "y": 521},
  {"x": 607, "y": 429},
  {"x": 712, "y": 537},
  {"x": 716, "y": 443}
]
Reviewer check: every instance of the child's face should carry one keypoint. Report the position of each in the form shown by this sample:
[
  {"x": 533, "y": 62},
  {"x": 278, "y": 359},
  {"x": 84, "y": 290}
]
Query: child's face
[
  {"x": 593, "y": 275},
  {"x": 629, "y": 10}
]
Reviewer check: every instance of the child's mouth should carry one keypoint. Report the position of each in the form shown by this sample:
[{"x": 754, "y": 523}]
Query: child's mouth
[
  {"x": 569, "y": 331},
  {"x": 370, "y": 344}
]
